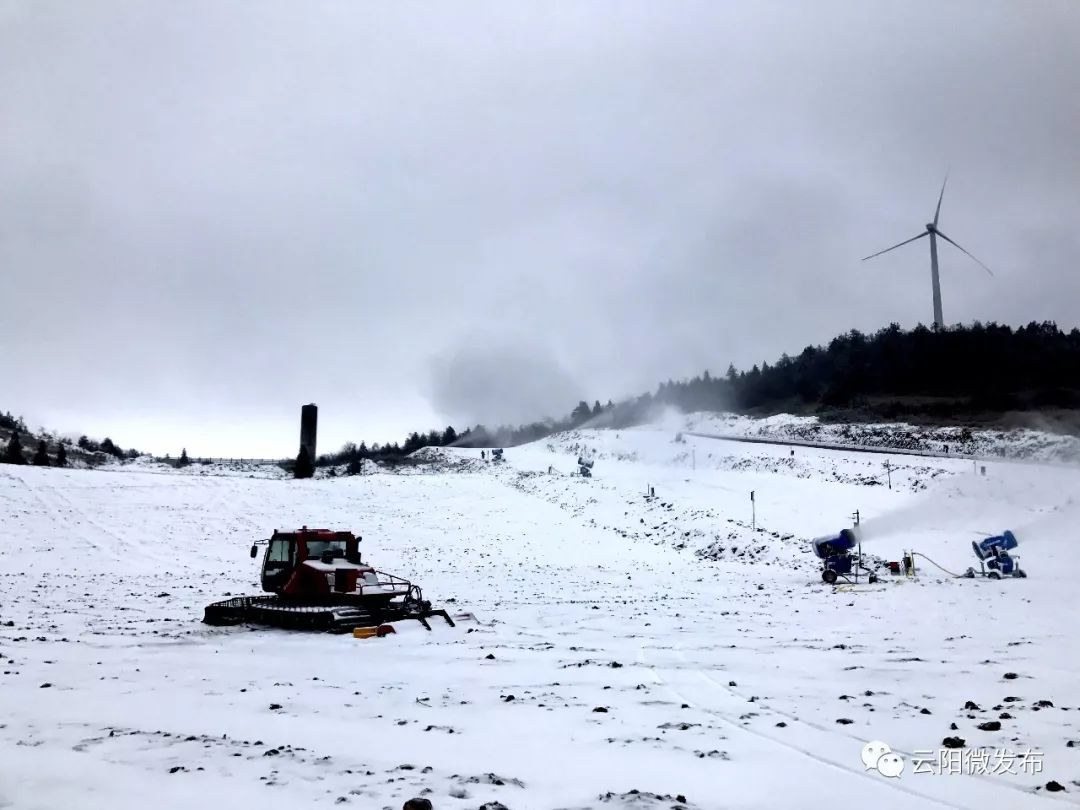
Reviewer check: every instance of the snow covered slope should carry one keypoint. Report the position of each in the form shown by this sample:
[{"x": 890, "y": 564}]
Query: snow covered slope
[
  {"x": 1020, "y": 443},
  {"x": 639, "y": 652}
]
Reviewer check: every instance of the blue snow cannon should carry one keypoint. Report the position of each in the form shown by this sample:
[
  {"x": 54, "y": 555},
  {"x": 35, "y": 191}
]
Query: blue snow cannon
[
  {"x": 993, "y": 553},
  {"x": 834, "y": 551}
]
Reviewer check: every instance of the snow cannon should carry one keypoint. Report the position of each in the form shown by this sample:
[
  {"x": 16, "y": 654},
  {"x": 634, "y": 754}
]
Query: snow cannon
[
  {"x": 835, "y": 553},
  {"x": 993, "y": 554},
  {"x": 585, "y": 467},
  {"x": 839, "y": 556}
]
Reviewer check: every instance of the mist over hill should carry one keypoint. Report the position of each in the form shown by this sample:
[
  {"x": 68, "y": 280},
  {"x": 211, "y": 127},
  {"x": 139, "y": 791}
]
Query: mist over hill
[
  {"x": 963, "y": 375},
  {"x": 982, "y": 374}
]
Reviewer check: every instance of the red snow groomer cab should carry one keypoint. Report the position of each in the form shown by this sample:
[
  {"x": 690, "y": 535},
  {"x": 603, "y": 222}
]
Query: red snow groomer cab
[{"x": 320, "y": 582}]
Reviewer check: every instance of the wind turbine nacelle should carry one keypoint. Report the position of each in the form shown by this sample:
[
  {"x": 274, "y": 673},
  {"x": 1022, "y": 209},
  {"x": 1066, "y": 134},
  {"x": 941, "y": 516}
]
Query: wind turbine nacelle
[{"x": 931, "y": 227}]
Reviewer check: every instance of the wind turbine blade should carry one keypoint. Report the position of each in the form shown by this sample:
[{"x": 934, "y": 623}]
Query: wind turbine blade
[
  {"x": 951, "y": 242},
  {"x": 894, "y": 247},
  {"x": 937, "y": 213}
]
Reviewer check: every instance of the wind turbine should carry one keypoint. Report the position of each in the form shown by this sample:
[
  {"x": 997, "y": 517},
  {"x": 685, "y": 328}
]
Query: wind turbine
[{"x": 933, "y": 232}]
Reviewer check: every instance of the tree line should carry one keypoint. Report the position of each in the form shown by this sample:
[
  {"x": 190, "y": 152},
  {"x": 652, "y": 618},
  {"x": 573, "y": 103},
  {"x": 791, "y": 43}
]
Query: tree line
[
  {"x": 945, "y": 373},
  {"x": 14, "y": 451},
  {"x": 14, "y": 454},
  {"x": 942, "y": 373},
  {"x": 951, "y": 372}
]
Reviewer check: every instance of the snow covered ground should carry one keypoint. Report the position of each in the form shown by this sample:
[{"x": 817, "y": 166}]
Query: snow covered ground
[
  {"x": 1018, "y": 443},
  {"x": 635, "y": 653}
]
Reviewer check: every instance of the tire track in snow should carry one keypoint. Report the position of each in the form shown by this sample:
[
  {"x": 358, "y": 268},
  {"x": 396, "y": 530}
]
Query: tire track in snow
[
  {"x": 984, "y": 779},
  {"x": 733, "y": 722},
  {"x": 35, "y": 491},
  {"x": 121, "y": 549},
  {"x": 908, "y": 755}
]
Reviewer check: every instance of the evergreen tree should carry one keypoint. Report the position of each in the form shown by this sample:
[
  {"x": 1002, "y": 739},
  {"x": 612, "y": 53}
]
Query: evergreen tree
[
  {"x": 304, "y": 467},
  {"x": 413, "y": 443},
  {"x": 183, "y": 460},
  {"x": 597, "y": 409},
  {"x": 107, "y": 446},
  {"x": 355, "y": 467},
  {"x": 13, "y": 453},
  {"x": 449, "y": 436},
  {"x": 61, "y": 455},
  {"x": 41, "y": 457},
  {"x": 581, "y": 413}
]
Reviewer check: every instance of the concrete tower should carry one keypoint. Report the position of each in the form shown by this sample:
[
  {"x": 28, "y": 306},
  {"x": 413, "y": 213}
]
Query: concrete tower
[{"x": 309, "y": 419}]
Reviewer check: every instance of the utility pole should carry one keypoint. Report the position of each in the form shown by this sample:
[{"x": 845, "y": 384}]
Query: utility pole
[
  {"x": 888, "y": 472},
  {"x": 753, "y": 512}
]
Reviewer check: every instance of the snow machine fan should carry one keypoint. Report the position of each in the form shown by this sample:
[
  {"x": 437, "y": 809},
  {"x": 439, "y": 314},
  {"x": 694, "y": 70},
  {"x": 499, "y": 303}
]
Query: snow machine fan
[
  {"x": 585, "y": 467},
  {"x": 993, "y": 554},
  {"x": 837, "y": 557}
]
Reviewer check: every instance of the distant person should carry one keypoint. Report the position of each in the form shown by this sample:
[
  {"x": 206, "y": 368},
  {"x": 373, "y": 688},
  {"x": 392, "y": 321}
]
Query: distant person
[{"x": 483, "y": 455}]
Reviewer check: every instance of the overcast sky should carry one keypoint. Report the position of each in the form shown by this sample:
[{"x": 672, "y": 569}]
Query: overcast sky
[{"x": 421, "y": 214}]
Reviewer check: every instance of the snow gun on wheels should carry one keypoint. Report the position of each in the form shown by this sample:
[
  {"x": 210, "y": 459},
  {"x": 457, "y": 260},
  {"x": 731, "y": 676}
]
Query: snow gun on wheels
[
  {"x": 318, "y": 581},
  {"x": 993, "y": 554},
  {"x": 837, "y": 557}
]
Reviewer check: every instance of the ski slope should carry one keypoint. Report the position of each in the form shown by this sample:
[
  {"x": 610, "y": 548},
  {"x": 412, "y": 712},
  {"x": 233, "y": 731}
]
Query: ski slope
[{"x": 634, "y": 652}]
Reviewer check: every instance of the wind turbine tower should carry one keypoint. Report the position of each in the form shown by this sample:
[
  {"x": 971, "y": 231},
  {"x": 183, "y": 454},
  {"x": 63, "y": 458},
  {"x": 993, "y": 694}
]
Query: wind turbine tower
[{"x": 933, "y": 232}]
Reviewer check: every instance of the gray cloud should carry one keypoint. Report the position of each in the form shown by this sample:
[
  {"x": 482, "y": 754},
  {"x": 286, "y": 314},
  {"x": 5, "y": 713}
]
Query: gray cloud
[
  {"x": 501, "y": 382},
  {"x": 214, "y": 213}
]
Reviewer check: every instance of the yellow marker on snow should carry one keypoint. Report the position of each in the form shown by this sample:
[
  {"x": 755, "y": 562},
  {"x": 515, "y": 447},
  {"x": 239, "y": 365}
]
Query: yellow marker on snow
[{"x": 370, "y": 632}]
